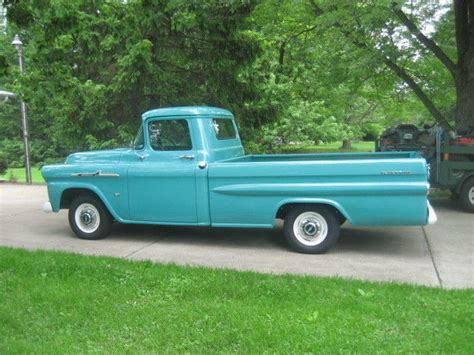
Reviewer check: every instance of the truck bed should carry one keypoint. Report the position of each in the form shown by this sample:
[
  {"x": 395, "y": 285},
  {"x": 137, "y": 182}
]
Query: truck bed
[
  {"x": 320, "y": 156},
  {"x": 368, "y": 188}
]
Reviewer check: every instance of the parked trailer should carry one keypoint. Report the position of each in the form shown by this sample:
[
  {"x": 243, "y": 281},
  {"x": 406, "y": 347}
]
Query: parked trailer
[{"x": 450, "y": 158}]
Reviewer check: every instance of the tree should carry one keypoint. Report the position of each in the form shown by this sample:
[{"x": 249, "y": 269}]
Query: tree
[
  {"x": 94, "y": 66},
  {"x": 461, "y": 72},
  {"x": 293, "y": 71},
  {"x": 316, "y": 86},
  {"x": 464, "y": 73}
]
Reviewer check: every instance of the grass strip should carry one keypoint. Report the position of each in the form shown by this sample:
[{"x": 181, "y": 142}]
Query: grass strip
[
  {"x": 19, "y": 175},
  {"x": 334, "y": 147},
  {"x": 54, "y": 302}
]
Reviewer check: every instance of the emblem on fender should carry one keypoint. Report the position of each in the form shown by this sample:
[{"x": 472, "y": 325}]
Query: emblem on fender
[{"x": 396, "y": 172}]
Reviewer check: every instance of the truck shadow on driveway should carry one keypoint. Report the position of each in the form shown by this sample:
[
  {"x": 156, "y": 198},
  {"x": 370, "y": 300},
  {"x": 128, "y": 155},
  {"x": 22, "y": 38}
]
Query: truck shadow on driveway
[
  {"x": 388, "y": 241},
  {"x": 201, "y": 236},
  {"x": 447, "y": 204},
  {"x": 404, "y": 241}
]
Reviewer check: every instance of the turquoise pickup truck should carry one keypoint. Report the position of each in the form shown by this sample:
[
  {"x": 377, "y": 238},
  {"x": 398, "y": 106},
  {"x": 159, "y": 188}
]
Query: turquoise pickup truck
[{"x": 187, "y": 167}]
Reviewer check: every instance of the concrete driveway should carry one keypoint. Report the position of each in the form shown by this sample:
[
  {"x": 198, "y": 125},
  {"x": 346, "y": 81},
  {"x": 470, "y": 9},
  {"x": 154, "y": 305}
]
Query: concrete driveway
[{"x": 439, "y": 255}]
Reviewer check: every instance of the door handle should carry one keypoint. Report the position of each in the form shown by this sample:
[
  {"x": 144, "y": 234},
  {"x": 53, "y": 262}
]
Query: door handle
[{"x": 186, "y": 156}]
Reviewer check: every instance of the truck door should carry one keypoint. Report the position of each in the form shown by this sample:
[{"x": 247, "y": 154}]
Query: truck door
[{"x": 161, "y": 182}]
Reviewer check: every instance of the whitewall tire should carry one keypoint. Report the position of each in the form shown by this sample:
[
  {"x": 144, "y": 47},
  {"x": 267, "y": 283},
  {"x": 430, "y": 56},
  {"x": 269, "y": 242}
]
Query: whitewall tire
[
  {"x": 88, "y": 218},
  {"x": 311, "y": 229}
]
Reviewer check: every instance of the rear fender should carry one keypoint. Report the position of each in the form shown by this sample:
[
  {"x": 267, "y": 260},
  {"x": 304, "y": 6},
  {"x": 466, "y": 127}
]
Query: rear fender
[{"x": 319, "y": 201}]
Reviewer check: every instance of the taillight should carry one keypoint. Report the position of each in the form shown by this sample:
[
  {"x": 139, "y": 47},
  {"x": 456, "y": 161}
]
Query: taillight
[
  {"x": 387, "y": 141},
  {"x": 463, "y": 141}
]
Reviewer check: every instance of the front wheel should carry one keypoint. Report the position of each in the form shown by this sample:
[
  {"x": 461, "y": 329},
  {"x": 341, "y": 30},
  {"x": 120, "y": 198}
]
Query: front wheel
[
  {"x": 466, "y": 195},
  {"x": 311, "y": 229},
  {"x": 89, "y": 218}
]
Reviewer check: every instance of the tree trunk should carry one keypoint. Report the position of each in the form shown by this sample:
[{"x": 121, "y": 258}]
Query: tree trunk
[
  {"x": 465, "y": 90},
  {"x": 465, "y": 105},
  {"x": 464, "y": 26},
  {"x": 346, "y": 144}
]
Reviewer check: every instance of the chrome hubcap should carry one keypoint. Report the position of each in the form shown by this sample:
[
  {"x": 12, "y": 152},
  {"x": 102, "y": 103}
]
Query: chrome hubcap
[
  {"x": 471, "y": 195},
  {"x": 87, "y": 218},
  {"x": 310, "y": 228}
]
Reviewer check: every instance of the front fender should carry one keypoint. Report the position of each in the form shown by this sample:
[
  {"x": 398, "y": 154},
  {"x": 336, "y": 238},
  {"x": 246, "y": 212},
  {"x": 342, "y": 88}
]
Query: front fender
[{"x": 57, "y": 189}]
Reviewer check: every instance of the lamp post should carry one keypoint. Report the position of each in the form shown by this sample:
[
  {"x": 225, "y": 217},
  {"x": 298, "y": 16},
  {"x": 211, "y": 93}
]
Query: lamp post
[
  {"x": 24, "y": 120},
  {"x": 6, "y": 94}
]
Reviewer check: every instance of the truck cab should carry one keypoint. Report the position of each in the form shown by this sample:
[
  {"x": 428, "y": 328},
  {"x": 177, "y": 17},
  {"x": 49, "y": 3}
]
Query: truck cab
[{"x": 169, "y": 160}]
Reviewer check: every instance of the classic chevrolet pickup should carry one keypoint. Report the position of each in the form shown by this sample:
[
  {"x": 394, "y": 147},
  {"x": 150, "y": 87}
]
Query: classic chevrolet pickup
[{"x": 187, "y": 167}]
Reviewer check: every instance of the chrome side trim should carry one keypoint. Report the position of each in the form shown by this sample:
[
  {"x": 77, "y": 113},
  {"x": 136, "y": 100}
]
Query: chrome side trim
[
  {"x": 97, "y": 173},
  {"x": 108, "y": 174}
]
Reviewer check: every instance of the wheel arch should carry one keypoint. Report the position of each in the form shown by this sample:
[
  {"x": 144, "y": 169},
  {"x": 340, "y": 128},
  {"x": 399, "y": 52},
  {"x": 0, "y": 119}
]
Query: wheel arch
[
  {"x": 285, "y": 206},
  {"x": 69, "y": 194},
  {"x": 460, "y": 184}
]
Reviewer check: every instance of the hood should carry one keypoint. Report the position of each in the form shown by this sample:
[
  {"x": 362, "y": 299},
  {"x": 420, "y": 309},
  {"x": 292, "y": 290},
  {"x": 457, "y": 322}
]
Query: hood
[{"x": 96, "y": 156}]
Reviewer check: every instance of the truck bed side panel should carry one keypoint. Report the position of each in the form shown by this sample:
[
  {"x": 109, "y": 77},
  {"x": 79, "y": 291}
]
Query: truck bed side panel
[{"x": 367, "y": 192}]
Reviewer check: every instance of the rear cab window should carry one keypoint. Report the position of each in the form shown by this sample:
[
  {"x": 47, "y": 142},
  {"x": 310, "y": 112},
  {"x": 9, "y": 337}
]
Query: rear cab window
[{"x": 224, "y": 128}]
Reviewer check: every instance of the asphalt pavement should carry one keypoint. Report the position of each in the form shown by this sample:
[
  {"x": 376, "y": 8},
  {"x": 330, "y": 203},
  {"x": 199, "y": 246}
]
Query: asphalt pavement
[{"x": 439, "y": 255}]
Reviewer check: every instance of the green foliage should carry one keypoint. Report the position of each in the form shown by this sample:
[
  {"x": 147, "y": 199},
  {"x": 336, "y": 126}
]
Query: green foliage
[
  {"x": 94, "y": 67},
  {"x": 3, "y": 163},
  {"x": 372, "y": 131},
  {"x": 318, "y": 85},
  {"x": 289, "y": 74},
  {"x": 94, "y": 144},
  {"x": 12, "y": 150}
]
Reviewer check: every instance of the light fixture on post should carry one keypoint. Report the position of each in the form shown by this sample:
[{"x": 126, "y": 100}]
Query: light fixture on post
[{"x": 24, "y": 120}]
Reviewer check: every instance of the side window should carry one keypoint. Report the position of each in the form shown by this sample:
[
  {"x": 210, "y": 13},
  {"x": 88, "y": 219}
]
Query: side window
[
  {"x": 224, "y": 128},
  {"x": 169, "y": 135},
  {"x": 139, "y": 142}
]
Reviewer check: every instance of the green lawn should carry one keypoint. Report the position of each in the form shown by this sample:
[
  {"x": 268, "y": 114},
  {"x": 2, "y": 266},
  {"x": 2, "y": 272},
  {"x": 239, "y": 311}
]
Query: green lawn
[
  {"x": 53, "y": 302},
  {"x": 19, "y": 175},
  {"x": 334, "y": 147}
]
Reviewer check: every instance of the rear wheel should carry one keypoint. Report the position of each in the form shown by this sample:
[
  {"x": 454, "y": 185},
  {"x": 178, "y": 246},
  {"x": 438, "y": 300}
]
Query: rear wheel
[
  {"x": 311, "y": 229},
  {"x": 88, "y": 218},
  {"x": 466, "y": 195}
]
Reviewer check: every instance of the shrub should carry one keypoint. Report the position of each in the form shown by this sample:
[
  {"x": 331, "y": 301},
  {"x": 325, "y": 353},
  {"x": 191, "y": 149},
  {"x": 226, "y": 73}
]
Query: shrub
[
  {"x": 3, "y": 164},
  {"x": 12, "y": 150}
]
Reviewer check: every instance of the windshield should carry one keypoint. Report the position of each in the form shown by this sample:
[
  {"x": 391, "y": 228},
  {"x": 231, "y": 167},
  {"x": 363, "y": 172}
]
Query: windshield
[{"x": 139, "y": 142}]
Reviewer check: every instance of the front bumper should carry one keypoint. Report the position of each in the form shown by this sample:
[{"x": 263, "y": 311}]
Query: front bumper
[
  {"x": 47, "y": 207},
  {"x": 432, "y": 218}
]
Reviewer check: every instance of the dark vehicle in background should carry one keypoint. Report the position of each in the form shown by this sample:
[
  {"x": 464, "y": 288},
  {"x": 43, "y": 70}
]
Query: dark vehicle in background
[
  {"x": 450, "y": 157},
  {"x": 408, "y": 137}
]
